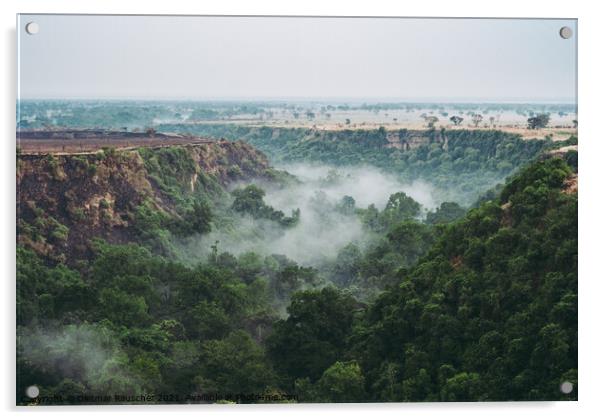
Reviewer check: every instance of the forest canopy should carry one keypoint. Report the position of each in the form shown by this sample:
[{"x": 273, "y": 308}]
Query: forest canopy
[
  {"x": 485, "y": 308},
  {"x": 292, "y": 253}
]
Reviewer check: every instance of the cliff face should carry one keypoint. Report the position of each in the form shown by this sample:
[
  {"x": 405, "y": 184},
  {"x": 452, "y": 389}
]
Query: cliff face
[
  {"x": 229, "y": 161},
  {"x": 63, "y": 201},
  {"x": 411, "y": 139}
]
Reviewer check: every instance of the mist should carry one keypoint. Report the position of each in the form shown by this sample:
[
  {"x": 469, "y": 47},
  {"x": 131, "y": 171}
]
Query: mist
[
  {"x": 84, "y": 353},
  {"x": 322, "y": 230},
  {"x": 366, "y": 184}
]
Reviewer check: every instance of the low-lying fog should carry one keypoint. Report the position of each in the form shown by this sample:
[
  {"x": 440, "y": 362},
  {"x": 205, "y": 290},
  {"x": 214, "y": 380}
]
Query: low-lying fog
[
  {"x": 367, "y": 185},
  {"x": 322, "y": 231}
]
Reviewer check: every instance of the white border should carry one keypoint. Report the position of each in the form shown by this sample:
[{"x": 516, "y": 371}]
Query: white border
[{"x": 590, "y": 24}]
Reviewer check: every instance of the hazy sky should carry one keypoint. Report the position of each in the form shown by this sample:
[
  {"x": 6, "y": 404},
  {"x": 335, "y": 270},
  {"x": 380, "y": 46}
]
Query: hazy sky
[{"x": 237, "y": 58}]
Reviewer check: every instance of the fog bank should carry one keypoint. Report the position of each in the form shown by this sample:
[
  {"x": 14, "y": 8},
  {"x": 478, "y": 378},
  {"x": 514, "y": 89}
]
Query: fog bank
[{"x": 323, "y": 229}]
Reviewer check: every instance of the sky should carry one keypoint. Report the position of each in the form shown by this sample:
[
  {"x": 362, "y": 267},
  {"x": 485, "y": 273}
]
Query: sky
[{"x": 209, "y": 58}]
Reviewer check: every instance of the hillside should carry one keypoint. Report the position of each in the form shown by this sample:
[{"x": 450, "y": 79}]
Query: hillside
[
  {"x": 461, "y": 164},
  {"x": 489, "y": 314},
  {"x": 63, "y": 201},
  {"x": 185, "y": 269}
]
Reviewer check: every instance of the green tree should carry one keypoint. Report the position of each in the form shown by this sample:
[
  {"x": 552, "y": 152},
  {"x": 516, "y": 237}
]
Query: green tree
[
  {"x": 249, "y": 200},
  {"x": 445, "y": 213},
  {"x": 235, "y": 364},
  {"x": 457, "y": 120},
  {"x": 400, "y": 207},
  {"x": 538, "y": 121},
  {"x": 342, "y": 382},
  {"x": 346, "y": 205},
  {"x": 462, "y": 387},
  {"x": 123, "y": 308},
  {"x": 313, "y": 337}
]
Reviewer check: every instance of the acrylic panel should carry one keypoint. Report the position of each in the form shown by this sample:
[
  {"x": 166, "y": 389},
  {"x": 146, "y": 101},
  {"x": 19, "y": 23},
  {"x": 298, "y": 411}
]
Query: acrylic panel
[{"x": 218, "y": 209}]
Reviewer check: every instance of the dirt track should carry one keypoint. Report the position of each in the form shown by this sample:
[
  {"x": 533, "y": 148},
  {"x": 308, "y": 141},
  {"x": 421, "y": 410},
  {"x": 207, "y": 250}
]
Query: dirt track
[{"x": 75, "y": 142}]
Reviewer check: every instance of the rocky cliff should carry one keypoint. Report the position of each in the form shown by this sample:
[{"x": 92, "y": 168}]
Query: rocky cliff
[{"x": 63, "y": 201}]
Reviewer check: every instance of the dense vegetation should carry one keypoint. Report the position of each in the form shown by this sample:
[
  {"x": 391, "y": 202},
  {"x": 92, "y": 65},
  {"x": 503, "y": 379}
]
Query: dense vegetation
[
  {"x": 471, "y": 298},
  {"x": 460, "y": 163},
  {"x": 249, "y": 200},
  {"x": 475, "y": 306},
  {"x": 491, "y": 312}
]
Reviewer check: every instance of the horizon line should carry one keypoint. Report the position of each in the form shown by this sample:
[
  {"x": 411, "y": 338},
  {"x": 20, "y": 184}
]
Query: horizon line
[{"x": 358, "y": 99}]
